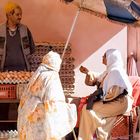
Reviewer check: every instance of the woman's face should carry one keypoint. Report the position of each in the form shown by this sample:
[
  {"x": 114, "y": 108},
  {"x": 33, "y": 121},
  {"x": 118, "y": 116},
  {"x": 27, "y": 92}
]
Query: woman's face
[{"x": 104, "y": 60}]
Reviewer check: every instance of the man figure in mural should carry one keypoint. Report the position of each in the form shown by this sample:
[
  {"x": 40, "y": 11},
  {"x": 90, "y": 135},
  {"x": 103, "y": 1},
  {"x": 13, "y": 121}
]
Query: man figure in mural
[{"x": 16, "y": 42}]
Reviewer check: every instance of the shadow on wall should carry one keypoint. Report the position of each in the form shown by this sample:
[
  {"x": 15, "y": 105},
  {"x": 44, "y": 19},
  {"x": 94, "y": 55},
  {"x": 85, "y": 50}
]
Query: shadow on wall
[{"x": 93, "y": 61}]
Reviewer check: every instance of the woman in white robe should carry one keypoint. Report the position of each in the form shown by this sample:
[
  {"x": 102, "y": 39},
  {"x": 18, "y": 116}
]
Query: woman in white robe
[
  {"x": 114, "y": 81},
  {"x": 43, "y": 113}
]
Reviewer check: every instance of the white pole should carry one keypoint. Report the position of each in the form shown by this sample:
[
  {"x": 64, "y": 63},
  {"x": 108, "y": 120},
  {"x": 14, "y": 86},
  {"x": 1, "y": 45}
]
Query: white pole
[{"x": 70, "y": 33}]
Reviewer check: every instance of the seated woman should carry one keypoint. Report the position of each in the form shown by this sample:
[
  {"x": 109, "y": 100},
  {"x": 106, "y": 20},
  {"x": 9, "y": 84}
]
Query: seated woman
[
  {"x": 43, "y": 113},
  {"x": 117, "y": 98}
]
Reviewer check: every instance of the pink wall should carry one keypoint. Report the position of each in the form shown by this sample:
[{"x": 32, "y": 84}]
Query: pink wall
[{"x": 51, "y": 20}]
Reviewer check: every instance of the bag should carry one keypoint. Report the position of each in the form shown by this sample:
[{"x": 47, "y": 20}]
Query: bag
[{"x": 94, "y": 97}]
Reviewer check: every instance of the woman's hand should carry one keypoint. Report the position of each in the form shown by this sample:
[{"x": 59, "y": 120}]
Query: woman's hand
[{"x": 83, "y": 70}]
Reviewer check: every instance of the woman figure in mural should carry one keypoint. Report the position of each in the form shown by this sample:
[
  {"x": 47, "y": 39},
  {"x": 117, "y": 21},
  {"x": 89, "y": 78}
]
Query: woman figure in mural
[
  {"x": 117, "y": 98},
  {"x": 43, "y": 113}
]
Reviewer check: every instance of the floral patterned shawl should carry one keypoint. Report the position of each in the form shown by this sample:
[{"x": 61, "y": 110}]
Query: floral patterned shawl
[{"x": 43, "y": 113}]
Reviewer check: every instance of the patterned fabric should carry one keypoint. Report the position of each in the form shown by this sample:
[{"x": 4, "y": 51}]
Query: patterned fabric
[
  {"x": 43, "y": 113},
  {"x": 123, "y": 10},
  {"x": 127, "y": 11}
]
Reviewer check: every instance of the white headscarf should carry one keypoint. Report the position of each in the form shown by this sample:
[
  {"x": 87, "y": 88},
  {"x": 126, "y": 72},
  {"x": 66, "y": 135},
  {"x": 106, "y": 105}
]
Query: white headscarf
[
  {"x": 116, "y": 75},
  {"x": 52, "y": 60}
]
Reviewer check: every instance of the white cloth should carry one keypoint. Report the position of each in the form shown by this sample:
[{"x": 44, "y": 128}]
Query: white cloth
[
  {"x": 43, "y": 113},
  {"x": 115, "y": 75}
]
